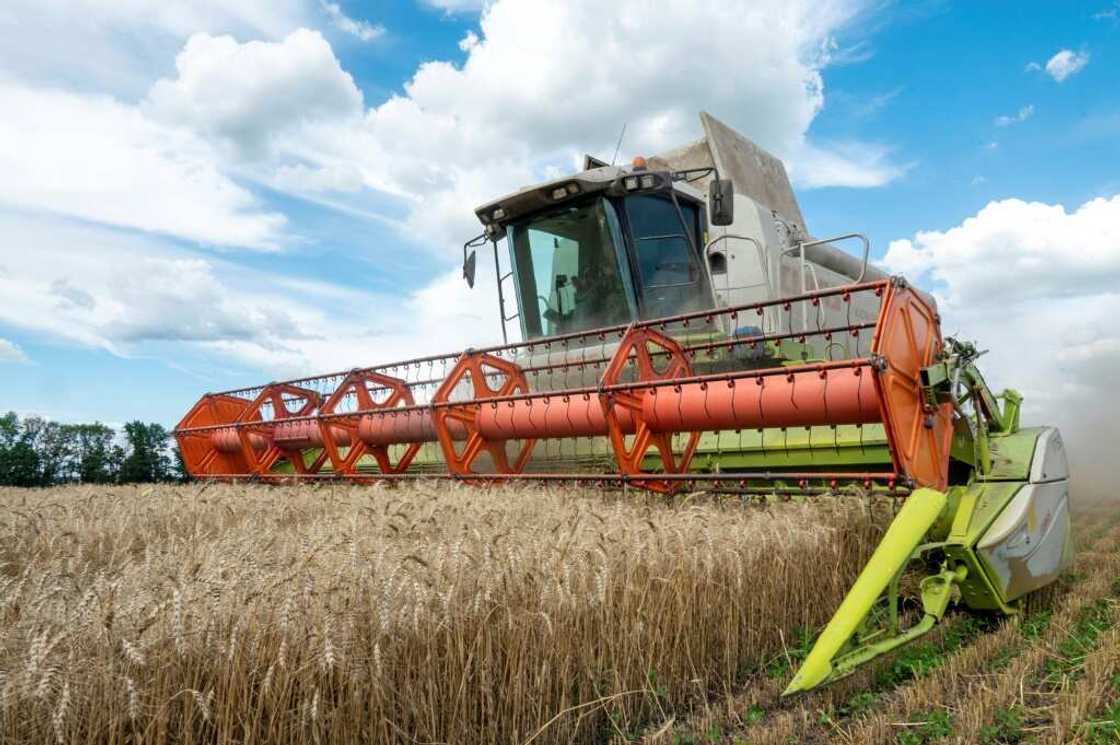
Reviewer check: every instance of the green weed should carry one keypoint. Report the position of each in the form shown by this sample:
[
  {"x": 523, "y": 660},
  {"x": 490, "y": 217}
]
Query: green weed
[
  {"x": 937, "y": 725},
  {"x": 1090, "y": 623},
  {"x": 754, "y": 714},
  {"x": 1104, "y": 731},
  {"x": 1007, "y": 728},
  {"x": 1035, "y": 624},
  {"x": 782, "y": 665}
]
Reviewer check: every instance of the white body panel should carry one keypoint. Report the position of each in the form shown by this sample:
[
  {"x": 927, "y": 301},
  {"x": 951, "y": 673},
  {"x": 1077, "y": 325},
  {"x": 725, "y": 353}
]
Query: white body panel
[
  {"x": 1028, "y": 545},
  {"x": 751, "y": 261},
  {"x": 748, "y": 264},
  {"x": 1049, "y": 461}
]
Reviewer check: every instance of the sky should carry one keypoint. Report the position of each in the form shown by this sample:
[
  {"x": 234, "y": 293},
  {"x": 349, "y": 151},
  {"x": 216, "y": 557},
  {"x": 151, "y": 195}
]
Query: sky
[{"x": 197, "y": 195}]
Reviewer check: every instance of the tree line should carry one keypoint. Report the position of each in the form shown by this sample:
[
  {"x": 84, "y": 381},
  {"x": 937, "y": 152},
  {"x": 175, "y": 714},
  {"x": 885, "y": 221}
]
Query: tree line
[{"x": 39, "y": 452}]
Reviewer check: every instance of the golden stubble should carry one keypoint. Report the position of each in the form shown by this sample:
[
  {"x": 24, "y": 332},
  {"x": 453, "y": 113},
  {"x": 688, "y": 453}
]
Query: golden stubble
[{"x": 430, "y": 613}]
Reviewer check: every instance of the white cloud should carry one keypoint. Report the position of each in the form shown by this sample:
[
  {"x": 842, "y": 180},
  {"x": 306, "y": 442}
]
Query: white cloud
[
  {"x": 307, "y": 180},
  {"x": 120, "y": 46},
  {"x": 245, "y": 94},
  {"x": 461, "y": 134},
  {"x": 1038, "y": 286},
  {"x": 856, "y": 54},
  {"x": 95, "y": 158},
  {"x": 468, "y": 42},
  {"x": 1023, "y": 114},
  {"x": 10, "y": 352},
  {"x": 363, "y": 30},
  {"x": 647, "y": 76},
  {"x": 283, "y": 112},
  {"x": 112, "y": 290},
  {"x": 854, "y": 164},
  {"x": 456, "y": 6},
  {"x": 1016, "y": 250},
  {"x": 1066, "y": 63},
  {"x": 270, "y": 18},
  {"x": 133, "y": 294}
]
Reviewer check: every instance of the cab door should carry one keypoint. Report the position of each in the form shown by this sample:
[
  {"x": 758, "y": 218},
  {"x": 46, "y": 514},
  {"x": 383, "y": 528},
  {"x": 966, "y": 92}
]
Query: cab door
[{"x": 670, "y": 276}]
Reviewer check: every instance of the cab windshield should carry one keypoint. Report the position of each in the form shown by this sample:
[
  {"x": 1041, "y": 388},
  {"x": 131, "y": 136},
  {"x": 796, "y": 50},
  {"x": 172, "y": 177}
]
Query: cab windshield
[{"x": 568, "y": 272}]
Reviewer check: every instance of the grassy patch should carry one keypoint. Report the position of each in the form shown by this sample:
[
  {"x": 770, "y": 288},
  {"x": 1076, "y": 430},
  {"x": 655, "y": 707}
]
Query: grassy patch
[
  {"x": 1104, "y": 731},
  {"x": 1007, "y": 729},
  {"x": 782, "y": 665},
  {"x": 1106, "y": 728},
  {"x": 1034, "y": 625},
  {"x": 913, "y": 661},
  {"x": 1093, "y": 620},
  {"x": 919, "y": 659},
  {"x": 858, "y": 704},
  {"x": 937, "y": 725}
]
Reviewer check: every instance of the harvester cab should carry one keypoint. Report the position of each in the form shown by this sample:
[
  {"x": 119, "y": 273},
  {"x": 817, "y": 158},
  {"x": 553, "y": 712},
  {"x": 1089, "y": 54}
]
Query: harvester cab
[
  {"x": 679, "y": 328},
  {"x": 713, "y": 224}
]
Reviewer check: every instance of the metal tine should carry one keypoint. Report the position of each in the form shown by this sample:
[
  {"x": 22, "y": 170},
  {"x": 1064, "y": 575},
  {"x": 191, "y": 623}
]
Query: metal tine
[{"x": 514, "y": 348}]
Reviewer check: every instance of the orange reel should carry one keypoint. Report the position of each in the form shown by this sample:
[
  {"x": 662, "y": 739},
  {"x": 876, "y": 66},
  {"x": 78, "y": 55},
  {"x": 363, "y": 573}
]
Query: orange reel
[
  {"x": 638, "y": 348},
  {"x": 476, "y": 368}
]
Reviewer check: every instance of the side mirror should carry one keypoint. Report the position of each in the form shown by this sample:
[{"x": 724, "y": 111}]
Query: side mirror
[
  {"x": 468, "y": 268},
  {"x": 721, "y": 202}
]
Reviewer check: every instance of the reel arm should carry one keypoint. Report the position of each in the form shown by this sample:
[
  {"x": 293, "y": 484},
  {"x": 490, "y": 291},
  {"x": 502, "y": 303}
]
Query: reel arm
[{"x": 954, "y": 378}]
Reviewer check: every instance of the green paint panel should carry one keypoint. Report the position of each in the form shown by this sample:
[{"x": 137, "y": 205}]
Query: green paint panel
[
  {"x": 973, "y": 509},
  {"x": 1011, "y": 454},
  {"x": 816, "y": 447},
  {"x": 846, "y": 446},
  {"x": 977, "y": 590},
  {"x": 990, "y": 500}
]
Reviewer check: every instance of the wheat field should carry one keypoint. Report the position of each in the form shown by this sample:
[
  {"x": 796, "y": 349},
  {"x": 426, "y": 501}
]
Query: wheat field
[{"x": 433, "y": 613}]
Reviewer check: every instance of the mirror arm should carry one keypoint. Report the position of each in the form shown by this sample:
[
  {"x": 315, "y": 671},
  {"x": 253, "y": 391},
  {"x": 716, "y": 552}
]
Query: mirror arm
[
  {"x": 694, "y": 173},
  {"x": 469, "y": 263}
]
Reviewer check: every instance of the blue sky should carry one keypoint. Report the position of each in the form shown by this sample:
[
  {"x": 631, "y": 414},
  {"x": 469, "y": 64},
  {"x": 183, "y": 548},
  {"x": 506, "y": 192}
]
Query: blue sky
[
  {"x": 206, "y": 196},
  {"x": 943, "y": 77}
]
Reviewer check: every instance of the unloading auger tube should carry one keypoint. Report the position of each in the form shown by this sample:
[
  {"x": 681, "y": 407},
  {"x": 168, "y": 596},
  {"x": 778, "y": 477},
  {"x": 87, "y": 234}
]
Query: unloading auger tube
[{"x": 878, "y": 406}]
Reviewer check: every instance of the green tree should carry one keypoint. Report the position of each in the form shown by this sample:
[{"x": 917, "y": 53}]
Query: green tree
[
  {"x": 94, "y": 453},
  {"x": 53, "y": 444},
  {"x": 19, "y": 462},
  {"x": 179, "y": 470},
  {"x": 147, "y": 460}
]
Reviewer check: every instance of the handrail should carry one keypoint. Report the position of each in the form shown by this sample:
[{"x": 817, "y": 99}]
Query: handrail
[{"x": 800, "y": 248}]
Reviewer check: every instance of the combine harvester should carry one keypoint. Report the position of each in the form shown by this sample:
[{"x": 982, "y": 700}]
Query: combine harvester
[{"x": 681, "y": 329}]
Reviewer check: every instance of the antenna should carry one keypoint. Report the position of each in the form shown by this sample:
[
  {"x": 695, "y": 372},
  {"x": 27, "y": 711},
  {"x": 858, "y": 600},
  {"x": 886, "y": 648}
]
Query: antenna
[{"x": 619, "y": 144}]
